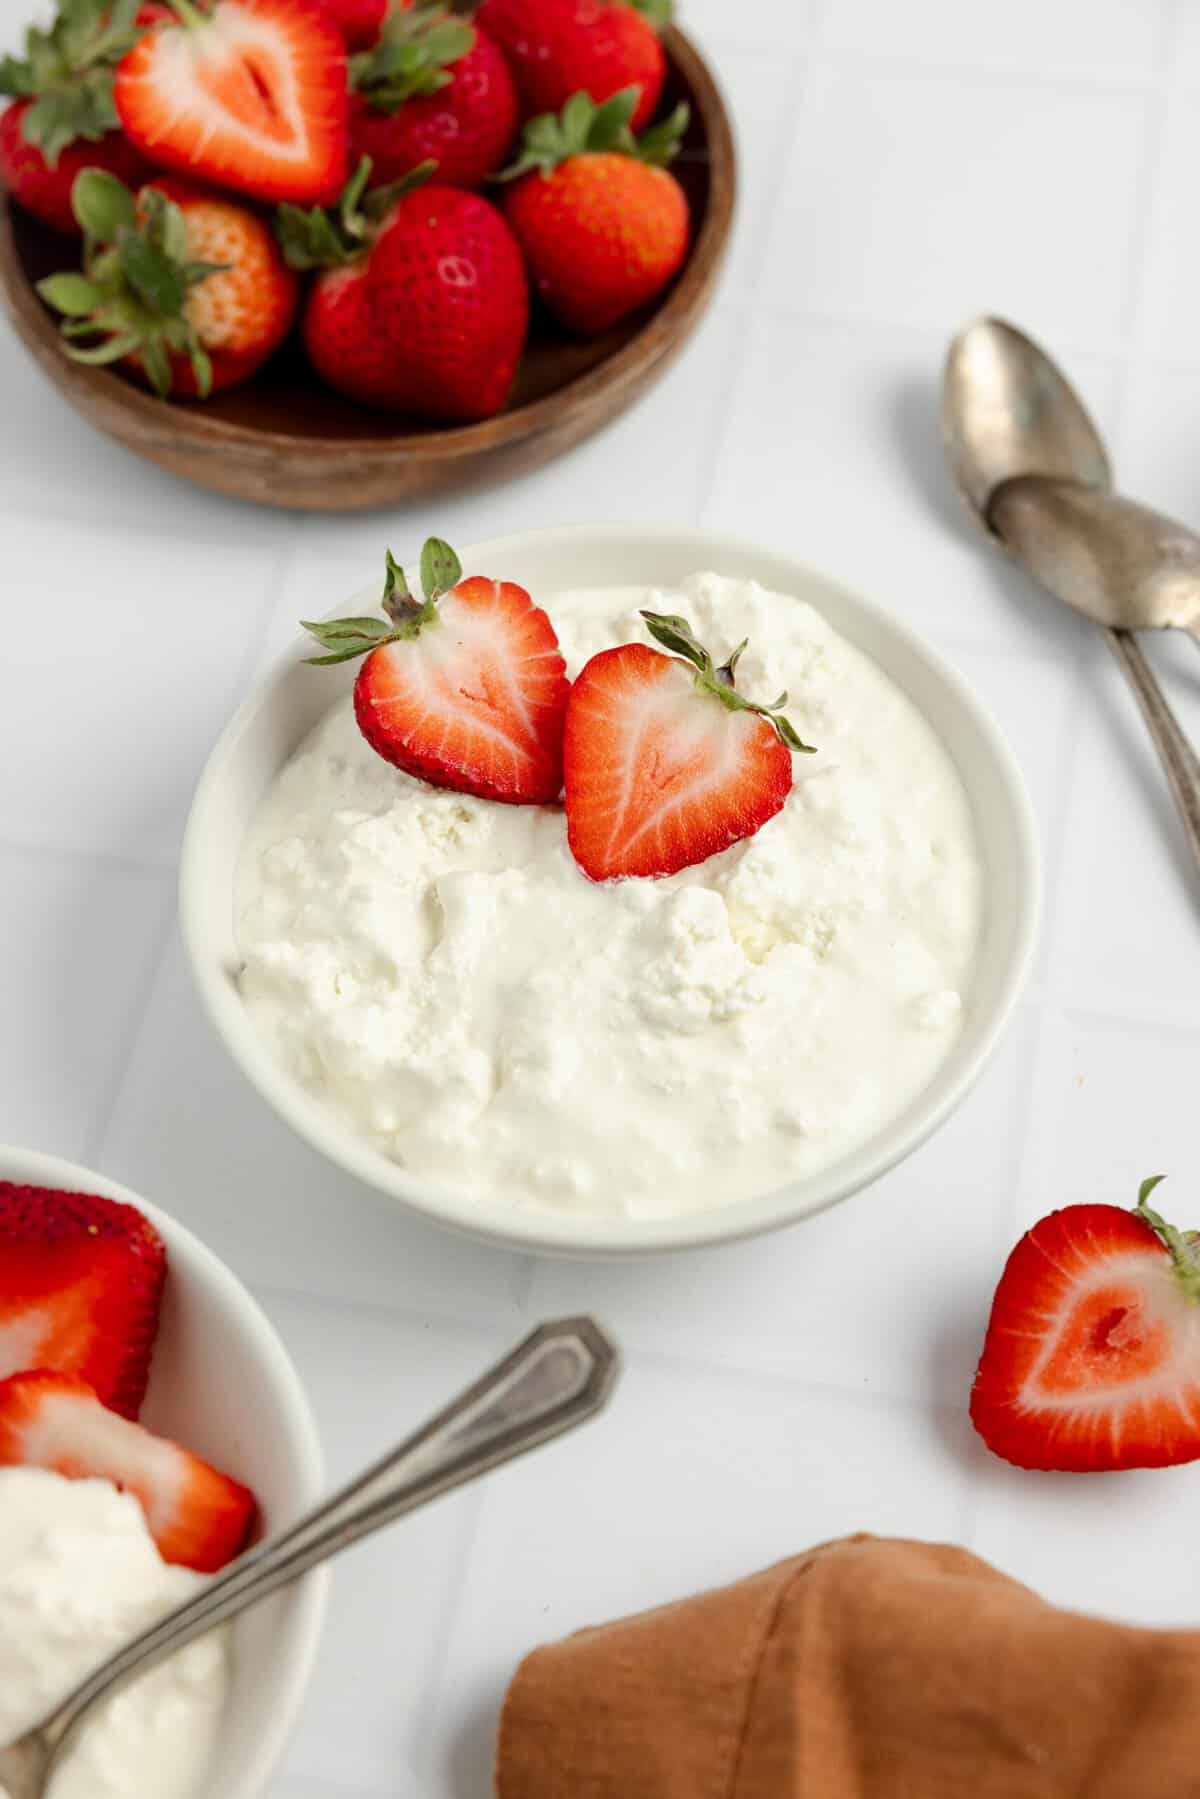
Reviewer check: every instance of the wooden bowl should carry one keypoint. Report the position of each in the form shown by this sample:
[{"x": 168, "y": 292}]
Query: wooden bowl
[{"x": 287, "y": 440}]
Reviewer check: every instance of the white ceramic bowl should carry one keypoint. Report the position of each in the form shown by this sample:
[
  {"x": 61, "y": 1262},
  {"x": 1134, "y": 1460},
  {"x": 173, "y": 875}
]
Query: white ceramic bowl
[
  {"x": 222, "y": 1384},
  {"x": 270, "y": 725}
]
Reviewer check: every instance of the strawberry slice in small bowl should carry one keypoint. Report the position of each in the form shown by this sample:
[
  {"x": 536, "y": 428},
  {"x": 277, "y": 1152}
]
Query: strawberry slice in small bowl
[
  {"x": 465, "y": 688},
  {"x": 198, "y": 1517},
  {"x": 665, "y": 762},
  {"x": 1091, "y": 1361},
  {"x": 81, "y": 1285}
]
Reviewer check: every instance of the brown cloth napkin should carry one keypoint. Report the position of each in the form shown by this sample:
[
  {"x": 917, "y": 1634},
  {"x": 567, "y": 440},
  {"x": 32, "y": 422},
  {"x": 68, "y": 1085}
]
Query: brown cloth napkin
[{"x": 865, "y": 1669}]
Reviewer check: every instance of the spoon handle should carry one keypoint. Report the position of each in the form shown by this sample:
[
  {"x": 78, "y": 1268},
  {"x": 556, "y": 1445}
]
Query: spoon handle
[
  {"x": 1180, "y": 762},
  {"x": 559, "y": 1376}
]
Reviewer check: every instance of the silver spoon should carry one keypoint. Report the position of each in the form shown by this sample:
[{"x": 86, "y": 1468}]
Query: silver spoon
[
  {"x": 559, "y": 1376},
  {"x": 1033, "y": 469}
]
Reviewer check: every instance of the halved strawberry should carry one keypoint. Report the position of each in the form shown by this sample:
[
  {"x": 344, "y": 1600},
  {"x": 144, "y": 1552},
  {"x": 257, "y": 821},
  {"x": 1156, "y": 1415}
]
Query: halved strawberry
[
  {"x": 81, "y": 1282},
  {"x": 467, "y": 690},
  {"x": 1092, "y": 1354},
  {"x": 197, "y": 1516},
  {"x": 665, "y": 762},
  {"x": 251, "y": 95}
]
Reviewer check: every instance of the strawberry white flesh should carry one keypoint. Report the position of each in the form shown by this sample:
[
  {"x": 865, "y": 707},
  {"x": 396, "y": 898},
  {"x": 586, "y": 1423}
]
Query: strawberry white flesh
[
  {"x": 476, "y": 701},
  {"x": 252, "y": 96},
  {"x": 1092, "y": 1355},
  {"x": 660, "y": 775},
  {"x": 197, "y": 1516}
]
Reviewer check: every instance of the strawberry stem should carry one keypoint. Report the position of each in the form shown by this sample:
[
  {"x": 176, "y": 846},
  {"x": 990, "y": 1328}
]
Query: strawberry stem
[
  {"x": 676, "y": 634},
  {"x": 188, "y": 15},
  {"x": 582, "y": 127},
  {"x": 346, "y": 638},
  {"x": 1182, "y": 1247}
]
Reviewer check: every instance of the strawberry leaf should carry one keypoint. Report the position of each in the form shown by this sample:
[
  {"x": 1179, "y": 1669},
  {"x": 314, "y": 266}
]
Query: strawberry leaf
[
  {"x": 321, "y": 237},
  {"x": 582, "y": 127},
  {"x": 132, "y": 296},
  {"x": 440, "y": 568},
  {"x": 660, "y": 145},
  {"x": 658, "y": 13},
  {"x": 154, "y": 276},
  {"x": 102, "y": 205},
  {"x": 73, "y": 295},
  {"x": 67, "y": 72},
  {"x": 676, "y": 634},
  {"x": 414, "y": 55},
  {"x": 345, "y": 638}
]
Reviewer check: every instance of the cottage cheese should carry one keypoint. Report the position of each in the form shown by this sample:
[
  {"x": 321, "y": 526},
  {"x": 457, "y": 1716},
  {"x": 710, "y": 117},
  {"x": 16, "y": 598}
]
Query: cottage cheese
[
  {"x": 437, "y": 969},
  {"x": 80, "y": 1576}
]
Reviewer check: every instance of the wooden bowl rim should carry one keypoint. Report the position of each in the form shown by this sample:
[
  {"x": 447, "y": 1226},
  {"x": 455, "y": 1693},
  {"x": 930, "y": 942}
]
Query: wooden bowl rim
[{"x": 451, "y": 443}]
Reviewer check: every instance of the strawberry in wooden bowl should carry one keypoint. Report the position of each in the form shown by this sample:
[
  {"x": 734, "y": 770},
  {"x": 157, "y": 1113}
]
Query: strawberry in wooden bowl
[{"x": 274, "y": 106}]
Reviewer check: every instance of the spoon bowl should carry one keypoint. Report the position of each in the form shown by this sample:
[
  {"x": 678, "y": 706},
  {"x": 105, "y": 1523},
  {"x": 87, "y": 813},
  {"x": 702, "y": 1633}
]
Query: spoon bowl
[
  {"x": 1034, "y": 471},
  {"x": 1008, "y": 411}
]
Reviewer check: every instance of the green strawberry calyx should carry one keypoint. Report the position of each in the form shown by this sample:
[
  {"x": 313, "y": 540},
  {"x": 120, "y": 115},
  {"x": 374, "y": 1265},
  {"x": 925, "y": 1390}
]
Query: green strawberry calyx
[
  {"x": 583, "y": 126},
  {"x": 676, "y": 634},
  {"x": 330, "y": 237},
  {"x": 133, "y": 290},
  {"x": 658, "y": 13},
  {"x": 344, "y": 639},
  {"x": 1183, "y": 1247},
  {"x": 66, "y": 73},
  {"x": 415, "y": 54}
]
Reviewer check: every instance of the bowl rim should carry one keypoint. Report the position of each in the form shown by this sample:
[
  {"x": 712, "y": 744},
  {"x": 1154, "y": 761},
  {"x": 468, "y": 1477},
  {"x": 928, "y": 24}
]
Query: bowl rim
[
  {"x": 39, "y": 1168},
  {"x": 543, "y": 1231},
  {"x": 633, "y": 360}
]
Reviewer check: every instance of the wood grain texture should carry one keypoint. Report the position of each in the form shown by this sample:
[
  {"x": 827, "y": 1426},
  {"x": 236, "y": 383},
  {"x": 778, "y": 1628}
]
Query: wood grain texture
[{"x": 287, "y": 440}]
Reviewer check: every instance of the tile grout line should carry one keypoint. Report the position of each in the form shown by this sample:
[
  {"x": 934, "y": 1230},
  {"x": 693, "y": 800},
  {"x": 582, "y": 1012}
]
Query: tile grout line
[
  {"x": 122, "y": 1065},
  {"x": 116, "y": 861},
  {"x": 677, "y": 1361},
  {"x": 436, "y": 1681}
]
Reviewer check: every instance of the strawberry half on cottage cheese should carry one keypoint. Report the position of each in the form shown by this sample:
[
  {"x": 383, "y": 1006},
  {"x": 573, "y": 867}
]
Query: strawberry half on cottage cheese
[{"x": 499, "y": 1018}]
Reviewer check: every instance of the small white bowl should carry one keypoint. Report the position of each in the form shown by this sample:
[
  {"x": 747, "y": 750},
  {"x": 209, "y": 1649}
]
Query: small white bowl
[
  {"x": 222, "y": 1384},
  {"x": 267, "y": 729}
]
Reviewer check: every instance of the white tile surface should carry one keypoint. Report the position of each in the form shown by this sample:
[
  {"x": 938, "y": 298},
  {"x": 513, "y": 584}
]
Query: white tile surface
[
  {"x": 903, "y": 168},
  {"x": 123, "y": 660},
  {"x": 778, "y": 1465},
  {"x": 1118, "y": 39},
  {"x": 927, "y": 197},
  {"x": 81, "y": 938}
]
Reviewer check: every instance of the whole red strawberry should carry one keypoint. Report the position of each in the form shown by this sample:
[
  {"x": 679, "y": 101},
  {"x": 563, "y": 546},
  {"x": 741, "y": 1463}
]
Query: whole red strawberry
[
  {"x": 435, "y": 88},
  {"x": 562, "y": 47},
  {"x": 466, "y": 689},
  {"x": 81, "y": 1282},
  {"x": 422, "y": 304},
  {"x": 62, "y": 118},
  {"x": 1092, "y": 1355},
  {"x": 603, "y": 225},
  {"x": 665, "y": 763},
  {"x": 250, "y": 94},
  {"x": 184, "y": 287}
]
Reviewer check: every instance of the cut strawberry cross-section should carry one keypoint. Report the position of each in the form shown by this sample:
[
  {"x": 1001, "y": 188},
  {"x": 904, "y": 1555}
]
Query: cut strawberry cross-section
[
  {"x": 466, "y": 689},
  {"x": 1092, "y": 1354},
  {"x": 665, "y": 762},
  {"x": 197, "y": 1516},
  {"x": 251, "y": 95}
]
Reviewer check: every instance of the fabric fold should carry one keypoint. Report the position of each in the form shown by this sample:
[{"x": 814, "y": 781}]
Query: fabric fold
[{"x": 865, "y": 1669}]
